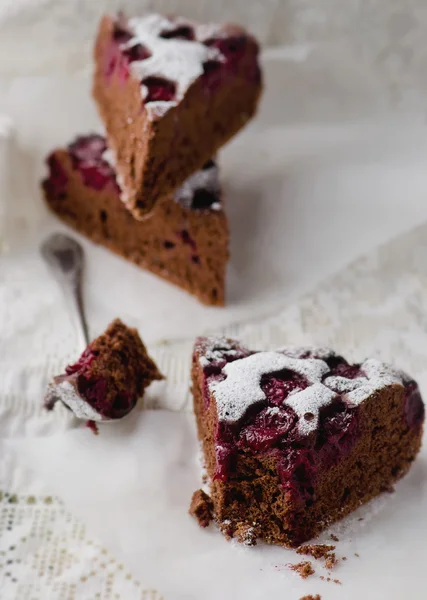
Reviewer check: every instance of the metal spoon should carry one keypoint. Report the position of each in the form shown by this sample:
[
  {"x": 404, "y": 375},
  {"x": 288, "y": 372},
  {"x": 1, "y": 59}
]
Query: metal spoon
[{"x": 65, "y": 257}]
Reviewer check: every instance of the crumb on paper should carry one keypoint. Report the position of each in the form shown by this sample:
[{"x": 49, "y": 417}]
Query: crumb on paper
[
  {"x": 334, "y": 538},
  {"x": 201, "y": 508},
  {"x": 311, "y": 597},
  {"x": 304, "y": 569},
  {"x": 331, "y": 561},
  {"x": 344, "y": 558},
  {"x": 355, "y": 554},
  {"x": 316, "y": 550}
]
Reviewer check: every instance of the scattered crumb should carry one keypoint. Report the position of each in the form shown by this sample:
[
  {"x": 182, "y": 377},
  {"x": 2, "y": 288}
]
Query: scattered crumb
[
  {"x": 316, "y": 550},
  {"x": 304, "y": 569},
  {"x": 355, "y": 554},
  {"x": 93, "y": 427},
  {"x": 226, "y": 529},
  {"x": 360, "y": 519},
  {"x": 344, "y": 558},
  {"x": 310, "y": 597},
  {"x": 337, "y": 581},
  {"x": 331, "y": 561},
  {"x": 201, "y": 507},
  {"x": 334, "y": 538},
  {"x": 246, "y": 534}
]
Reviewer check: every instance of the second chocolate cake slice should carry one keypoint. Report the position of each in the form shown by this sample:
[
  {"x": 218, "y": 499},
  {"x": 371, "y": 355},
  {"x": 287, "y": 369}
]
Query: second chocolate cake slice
[
  {"x": 298, "y": 438},
  {"x": 171, "y": 92},
  {"x": 185, "y": 240}
]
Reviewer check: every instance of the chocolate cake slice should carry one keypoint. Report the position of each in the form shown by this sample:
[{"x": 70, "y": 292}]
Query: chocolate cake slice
[
  {"x": 185, "y": 240},
  {"x": 109, "y": 377},
  {"x": 298, "y": 438},
  {"x": 171, "y": 92}
]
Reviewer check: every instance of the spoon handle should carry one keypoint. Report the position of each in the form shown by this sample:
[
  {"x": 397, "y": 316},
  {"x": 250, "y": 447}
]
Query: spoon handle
[{"x": 65, "y": 257}]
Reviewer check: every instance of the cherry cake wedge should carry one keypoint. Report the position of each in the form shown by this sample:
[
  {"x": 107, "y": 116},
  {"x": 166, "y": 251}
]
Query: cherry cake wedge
[
  {"x": 171, "y": 92},
  {"x": 297, "y": 438},
  {"x": 108, "y": 378},
  {"x": 185, "y": 240}
]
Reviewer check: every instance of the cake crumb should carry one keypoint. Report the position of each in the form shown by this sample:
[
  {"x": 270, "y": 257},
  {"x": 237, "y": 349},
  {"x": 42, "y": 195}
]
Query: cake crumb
[
  {"x": 304, "y": 569},
  {"x": 355, "y": 554},
  {"x": 310, "y": 597},
  {"x": 344, "y": 558},
  {"x": 334, "y": 538},
  {"x": 331, "y": 561},
  {"x": 316, "y": 550},
  {"x": 201, "y": 507},
  {"x": 337, "y": 581},
  {"x": 93, "y": 427},
  {"x": 246, "y": 534}
]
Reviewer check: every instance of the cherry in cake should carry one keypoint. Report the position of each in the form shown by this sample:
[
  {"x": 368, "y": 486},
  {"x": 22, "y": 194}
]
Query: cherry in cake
[
  {"x": 108, "y": 378},
  {"x": 297, "y": 438},
  {"x": 171, "y": 92},
  {"x": 185, "y": 240}
]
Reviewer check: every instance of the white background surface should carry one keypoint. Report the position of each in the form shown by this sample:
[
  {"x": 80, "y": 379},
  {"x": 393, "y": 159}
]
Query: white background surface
[{"x": 303, "y": 199}]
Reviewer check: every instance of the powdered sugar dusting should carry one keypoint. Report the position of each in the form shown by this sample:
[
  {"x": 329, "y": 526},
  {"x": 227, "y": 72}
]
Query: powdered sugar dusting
[
  {"x": 322, "y": 353},
  {"x": 215, "y": 349},
  {"x": 242, "y": 386},
  {"x": 176, "y": 60},
  {"x": 307, "y": 404},
  {"x": 205, "y": 179},
  {"x": 342, "y": 385}
]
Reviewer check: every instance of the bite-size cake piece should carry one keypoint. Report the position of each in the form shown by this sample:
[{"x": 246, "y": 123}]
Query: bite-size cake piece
[
  {"x": 109, "y": 377},
  {"x": 171, "y": 92},
  {"x": 297, "y": 438},
  {"x": 185, "y": 241}
]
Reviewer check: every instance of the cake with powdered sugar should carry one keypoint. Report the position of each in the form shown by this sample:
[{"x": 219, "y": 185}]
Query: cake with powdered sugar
[
  {"x": 171, "y": 92},
  {"x": 108, "y": 379},
  {"x": 185, "y": 240},
  {"x": 297, "y": 438}
]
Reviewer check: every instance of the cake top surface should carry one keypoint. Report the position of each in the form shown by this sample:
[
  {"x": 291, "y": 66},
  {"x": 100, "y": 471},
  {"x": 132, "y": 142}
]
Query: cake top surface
[
  {"x": 168, "y": 54},
  {"x": 96, "y": 163},
  {"x": 309, "y": 379}
]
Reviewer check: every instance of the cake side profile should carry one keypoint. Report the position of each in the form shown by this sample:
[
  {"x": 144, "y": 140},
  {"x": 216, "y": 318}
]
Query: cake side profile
[
  {"x": 171, "y": 92},
  {"x": 185, "y": 240},
  {"x": 298, "y": 438},
  {"x": 109, "y": 377}
]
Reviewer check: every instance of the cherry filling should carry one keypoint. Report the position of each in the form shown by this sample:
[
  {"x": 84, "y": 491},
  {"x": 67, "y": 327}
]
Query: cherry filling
[
  {"x": 278, "y": 386},
  {"x": 137, "y": 52},
  {"x": 158, "y": 89},
  {"x": 414, "y": 407},
  {"x": 203, "y": 199},
  {"x": 184, "y": 32},
  {"x": 86, "y": 156},
  {"x": 57, "y": 181},
  {"x": 94, "y": 388},
  {"x": 82, "y": 366}
]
